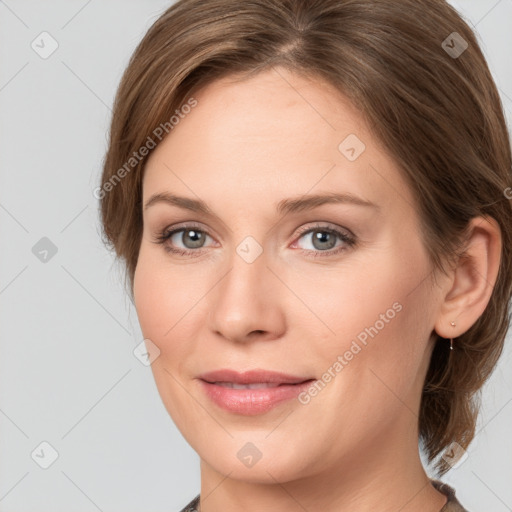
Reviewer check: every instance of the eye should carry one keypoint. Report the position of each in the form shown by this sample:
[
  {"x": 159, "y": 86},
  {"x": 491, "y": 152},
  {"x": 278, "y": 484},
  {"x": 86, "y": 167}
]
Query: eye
[
  {"x": 323, "y": 239},
  {"x": 190, "y": 236}
]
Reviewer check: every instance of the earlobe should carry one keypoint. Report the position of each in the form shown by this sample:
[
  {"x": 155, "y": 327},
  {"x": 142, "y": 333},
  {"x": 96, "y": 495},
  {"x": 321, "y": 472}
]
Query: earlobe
[{"x": 472, "y": 280}]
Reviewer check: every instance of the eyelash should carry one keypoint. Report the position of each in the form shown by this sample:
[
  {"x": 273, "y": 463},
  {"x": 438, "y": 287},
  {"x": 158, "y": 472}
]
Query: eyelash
[{"x": 349, "y": 240}]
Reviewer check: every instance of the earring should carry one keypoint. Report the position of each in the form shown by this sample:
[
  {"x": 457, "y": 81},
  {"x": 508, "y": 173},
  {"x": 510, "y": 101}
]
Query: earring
[{"x": 451, "y": 339}]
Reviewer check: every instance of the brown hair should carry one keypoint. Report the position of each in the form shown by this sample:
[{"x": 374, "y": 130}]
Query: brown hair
[{"x": 438, "y": 113}]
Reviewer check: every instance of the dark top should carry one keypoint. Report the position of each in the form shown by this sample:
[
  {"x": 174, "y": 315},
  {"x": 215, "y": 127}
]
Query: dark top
[{"x": 452, "y": 504}]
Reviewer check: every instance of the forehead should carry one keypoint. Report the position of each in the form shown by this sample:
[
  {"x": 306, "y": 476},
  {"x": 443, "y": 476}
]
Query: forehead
[{"x": 274, "y": 135}]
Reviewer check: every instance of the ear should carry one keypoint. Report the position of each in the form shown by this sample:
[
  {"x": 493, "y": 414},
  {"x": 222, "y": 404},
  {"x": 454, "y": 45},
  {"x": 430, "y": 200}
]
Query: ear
[{"x": 468, "y": 291}]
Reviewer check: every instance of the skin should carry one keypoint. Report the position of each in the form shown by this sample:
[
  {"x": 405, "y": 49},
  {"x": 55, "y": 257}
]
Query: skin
[{"x": 246, "y": 146}]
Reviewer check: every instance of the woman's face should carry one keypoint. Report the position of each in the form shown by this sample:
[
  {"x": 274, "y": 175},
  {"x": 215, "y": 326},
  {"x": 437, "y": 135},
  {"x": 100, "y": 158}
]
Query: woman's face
[{"x": 271, "y": 279}]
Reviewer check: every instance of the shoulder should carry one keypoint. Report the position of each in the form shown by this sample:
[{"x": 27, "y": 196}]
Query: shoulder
[
  {"x": 192, "y": 506},
  {"x": 453, "y": 504}
]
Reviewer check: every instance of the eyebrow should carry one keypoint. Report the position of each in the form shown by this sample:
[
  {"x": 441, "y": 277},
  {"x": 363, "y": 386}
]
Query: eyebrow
[{"x": 285, "y": 206}]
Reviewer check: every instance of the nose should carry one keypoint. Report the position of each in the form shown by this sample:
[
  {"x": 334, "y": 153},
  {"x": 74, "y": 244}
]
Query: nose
[{"x": 246, "y": 304}]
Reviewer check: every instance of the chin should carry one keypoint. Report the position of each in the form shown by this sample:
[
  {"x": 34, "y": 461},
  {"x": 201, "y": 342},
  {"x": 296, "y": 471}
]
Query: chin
[{"x": 246, "y": 458}]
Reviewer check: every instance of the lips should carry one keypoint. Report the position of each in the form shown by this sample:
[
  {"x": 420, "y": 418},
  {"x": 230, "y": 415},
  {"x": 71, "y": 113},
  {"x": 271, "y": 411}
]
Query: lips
[{"x": 253, "y": 392}]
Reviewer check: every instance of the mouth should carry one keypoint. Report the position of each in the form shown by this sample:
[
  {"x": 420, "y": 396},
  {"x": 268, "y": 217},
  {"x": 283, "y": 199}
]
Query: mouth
[
  {"x": 268, "y": 378},
  {"x": 253, "y": 392},
  {"x": 256, "y": 385}
]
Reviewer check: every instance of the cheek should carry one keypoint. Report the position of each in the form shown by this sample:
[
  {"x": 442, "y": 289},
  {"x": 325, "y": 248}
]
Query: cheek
[
  {"x": 375, "y": 316},
  {"x": 164, "y": 294},
  {"x": 370, "y": 366},
  {"x": 363, "y": 300},
  {"x": 152, "y": 299},
  {"x": 165, "y": 304},
  {"x": 162, "y": 303}
]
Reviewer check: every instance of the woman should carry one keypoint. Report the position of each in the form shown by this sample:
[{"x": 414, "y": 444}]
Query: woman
[{"x": 245, "y": 137}]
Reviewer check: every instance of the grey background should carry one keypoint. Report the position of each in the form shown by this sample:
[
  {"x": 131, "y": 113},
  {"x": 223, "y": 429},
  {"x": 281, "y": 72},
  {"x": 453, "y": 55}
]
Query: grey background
[{"x": 67, "y": 330}]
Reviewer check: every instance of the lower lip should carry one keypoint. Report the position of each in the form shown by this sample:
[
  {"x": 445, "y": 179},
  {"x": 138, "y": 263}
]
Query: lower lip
[{"x": 252, "y": 401}]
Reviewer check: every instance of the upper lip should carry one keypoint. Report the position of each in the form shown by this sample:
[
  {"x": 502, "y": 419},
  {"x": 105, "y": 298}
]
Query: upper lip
[{"x": 252, "y": 377}]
